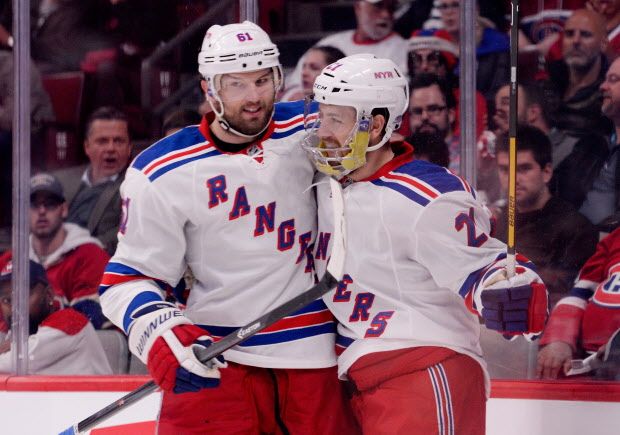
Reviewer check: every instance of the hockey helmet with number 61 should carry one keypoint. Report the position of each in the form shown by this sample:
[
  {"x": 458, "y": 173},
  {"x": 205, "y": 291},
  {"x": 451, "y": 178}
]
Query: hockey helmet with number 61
[{"x": 236, "y": 48}]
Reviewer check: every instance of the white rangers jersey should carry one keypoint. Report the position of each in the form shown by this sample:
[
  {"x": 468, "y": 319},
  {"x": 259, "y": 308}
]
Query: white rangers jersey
[
  {"x": 244, "y": 222},
  {"x": 417, "y": 245}
]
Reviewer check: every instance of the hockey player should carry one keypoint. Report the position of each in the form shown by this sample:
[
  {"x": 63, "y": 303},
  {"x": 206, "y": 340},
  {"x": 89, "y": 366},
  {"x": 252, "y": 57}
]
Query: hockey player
[
  {"x": 230, "y": 199},
  {"x": 420, "y": 268}
]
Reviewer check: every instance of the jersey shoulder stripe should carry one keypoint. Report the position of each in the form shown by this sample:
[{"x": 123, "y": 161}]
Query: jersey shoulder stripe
[
  {"x": 288, "y": 119},
  {"x": 173, "y": 151},
  {"x": 422, "y": 182}
]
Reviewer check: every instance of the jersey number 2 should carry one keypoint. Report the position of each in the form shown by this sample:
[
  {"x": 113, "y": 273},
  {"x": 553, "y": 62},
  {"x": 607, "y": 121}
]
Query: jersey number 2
[{"x": 468, "y": 221}]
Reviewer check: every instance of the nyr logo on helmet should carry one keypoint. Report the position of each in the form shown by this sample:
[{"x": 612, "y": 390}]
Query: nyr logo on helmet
[{"x": 384, "y": 75}]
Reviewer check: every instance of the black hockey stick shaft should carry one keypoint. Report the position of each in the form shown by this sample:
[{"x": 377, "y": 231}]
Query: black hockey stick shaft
[
  {"x": 326, "y": 283},
  {"x": 512, "y": 150}
]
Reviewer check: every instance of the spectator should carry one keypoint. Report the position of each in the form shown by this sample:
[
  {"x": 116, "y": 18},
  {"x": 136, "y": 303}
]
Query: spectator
[
  {"x": 94, "y": 201},
  {"x": 178, "y": 119},
  {"x": 61, "y": 342},
  {"x": 610, "y": 10},
  {"x": 430, "y": 147},
  {"x": 432, "y": 109},
  {"x": 373, "y": 34},
  {"x": 62, "y": 33},
  {"x": 434, "y": 52},
  {"x": 583, "y": 321},
  {"x": 577, "y": 76},
  {"x": 314, "y": 60},
  {"x": 532, "y": 110},
  {"x": 492, "y": 48},
  {"x": 549, "y": 231},
  {"x": 40, "y": 112},
  {"x": 73, "y": 259},
  {"x": 600, "y": 197}
]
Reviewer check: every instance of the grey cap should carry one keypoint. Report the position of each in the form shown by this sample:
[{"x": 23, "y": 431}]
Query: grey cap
[{"x": 45, "y": 182}]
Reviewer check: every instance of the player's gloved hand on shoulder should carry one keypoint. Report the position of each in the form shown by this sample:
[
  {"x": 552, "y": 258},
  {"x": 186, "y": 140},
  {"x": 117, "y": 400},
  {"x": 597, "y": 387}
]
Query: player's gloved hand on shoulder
[
  {"x": 513, "y": 306},
  {"x": 166, "y": 341}
]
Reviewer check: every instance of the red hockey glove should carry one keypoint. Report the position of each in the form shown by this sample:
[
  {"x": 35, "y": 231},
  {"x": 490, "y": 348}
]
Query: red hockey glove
[{"x": 165, "y": 341}]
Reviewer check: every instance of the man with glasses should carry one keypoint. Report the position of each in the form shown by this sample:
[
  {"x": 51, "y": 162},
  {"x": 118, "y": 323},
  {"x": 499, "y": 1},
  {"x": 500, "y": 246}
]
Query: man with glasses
[
  {"x": 61, "y": 342},
  {"x": 432, "y": 109},
  {"x": 231, "y": 199},
  {"x": 73, "y": 259}
]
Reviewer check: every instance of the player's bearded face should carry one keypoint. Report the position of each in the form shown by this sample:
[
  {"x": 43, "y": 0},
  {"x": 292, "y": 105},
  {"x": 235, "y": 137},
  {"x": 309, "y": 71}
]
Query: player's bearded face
[
  {"x": 248, "y": 100},
  {"x": 335, "y": 127}
]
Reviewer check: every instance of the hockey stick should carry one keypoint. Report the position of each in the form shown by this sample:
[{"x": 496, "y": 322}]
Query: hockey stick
[
  {"x": 328, "y": 282},
  {"x": 512, "y": 159}
]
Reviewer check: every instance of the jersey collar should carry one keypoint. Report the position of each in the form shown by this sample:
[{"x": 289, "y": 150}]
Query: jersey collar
[{"x": 403, "y": 153}]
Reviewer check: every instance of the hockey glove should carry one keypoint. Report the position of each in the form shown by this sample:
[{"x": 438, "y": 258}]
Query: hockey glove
[
  {"x": 515, "y": 306},
  {"x": 166, "y": 341}
]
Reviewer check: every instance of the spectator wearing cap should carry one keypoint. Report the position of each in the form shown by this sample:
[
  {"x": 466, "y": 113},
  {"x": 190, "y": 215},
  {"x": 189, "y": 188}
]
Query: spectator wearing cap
[
  {"x": 374, "y": 34},
  {"x": 61, "y": 342},
  {"x": 92, "y": 191},
  {"x": 73, "y": 259}
]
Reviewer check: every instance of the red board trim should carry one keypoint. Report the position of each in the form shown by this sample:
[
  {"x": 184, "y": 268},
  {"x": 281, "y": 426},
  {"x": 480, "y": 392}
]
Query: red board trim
[{"x": 591, "y": 391}]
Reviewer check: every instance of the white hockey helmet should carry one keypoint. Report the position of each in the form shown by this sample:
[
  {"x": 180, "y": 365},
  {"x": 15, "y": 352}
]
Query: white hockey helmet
[
  {"x": 365, "y": 83},
  {"x": 236, "y": 48}
]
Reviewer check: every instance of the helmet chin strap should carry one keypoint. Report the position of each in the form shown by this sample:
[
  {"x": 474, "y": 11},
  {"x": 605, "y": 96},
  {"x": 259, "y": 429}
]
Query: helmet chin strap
[{"x": 219, "y": 114}]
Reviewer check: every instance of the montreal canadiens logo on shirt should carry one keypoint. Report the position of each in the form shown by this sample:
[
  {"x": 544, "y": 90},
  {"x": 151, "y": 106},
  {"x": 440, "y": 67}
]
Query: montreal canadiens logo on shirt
[{"x": 608, "y": 293}]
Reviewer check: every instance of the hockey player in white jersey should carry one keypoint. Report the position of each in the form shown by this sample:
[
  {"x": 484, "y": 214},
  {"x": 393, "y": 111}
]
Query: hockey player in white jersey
[
  {"x": 421, "y": 266},
  {"x": 229, "y": 198}
]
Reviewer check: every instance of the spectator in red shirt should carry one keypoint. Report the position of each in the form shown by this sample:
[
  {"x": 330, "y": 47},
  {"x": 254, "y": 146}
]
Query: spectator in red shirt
[{"x": 73, "y": 259}]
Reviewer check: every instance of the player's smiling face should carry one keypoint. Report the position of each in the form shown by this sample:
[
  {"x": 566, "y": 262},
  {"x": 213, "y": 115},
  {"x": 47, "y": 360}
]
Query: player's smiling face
[{"x": 248, "y": 100}]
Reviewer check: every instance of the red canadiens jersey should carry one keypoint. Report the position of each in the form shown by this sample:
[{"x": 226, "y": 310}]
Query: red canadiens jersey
[
  {"x": 591, "y": 313},
  {"x": 65, "y": 344}
]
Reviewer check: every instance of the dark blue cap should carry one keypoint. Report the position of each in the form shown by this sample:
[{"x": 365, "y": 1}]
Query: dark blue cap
[{"x": 37, "y": 273}]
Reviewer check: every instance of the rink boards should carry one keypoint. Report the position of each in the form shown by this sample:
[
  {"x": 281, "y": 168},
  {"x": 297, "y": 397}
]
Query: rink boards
[{"x": 47, "y": 405}]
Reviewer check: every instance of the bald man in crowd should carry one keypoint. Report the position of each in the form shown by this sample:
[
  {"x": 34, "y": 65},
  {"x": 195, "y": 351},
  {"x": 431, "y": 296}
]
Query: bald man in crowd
[{"x": 577, "y": 76}]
